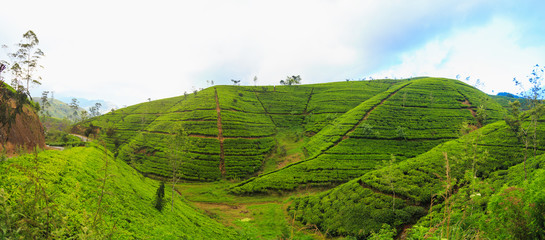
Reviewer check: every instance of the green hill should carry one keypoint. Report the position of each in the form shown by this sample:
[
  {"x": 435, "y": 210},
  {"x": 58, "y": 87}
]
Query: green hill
[
  {"x": 408, "y": 119},
  {"x": 352, "y": 127},
  {"x": 84, "y": 193},
  {"x": 57, "y": 109},
  {"x": 232, "y": 127}
]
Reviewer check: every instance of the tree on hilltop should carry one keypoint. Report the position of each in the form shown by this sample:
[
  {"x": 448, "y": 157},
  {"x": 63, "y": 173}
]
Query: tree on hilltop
[
  {"x": 235, "y": 82},
  {"x": 293, "y": 80}
]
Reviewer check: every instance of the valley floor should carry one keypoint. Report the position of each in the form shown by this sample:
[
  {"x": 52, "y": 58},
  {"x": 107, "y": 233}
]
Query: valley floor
[{"x": 258, "y": 216}]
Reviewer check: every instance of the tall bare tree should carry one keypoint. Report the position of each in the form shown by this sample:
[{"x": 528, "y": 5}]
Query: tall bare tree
[{"x": 25, "y": 63}]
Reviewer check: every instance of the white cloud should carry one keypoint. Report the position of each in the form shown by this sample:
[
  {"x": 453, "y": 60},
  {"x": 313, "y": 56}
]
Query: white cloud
[
  {"x": 491, "y": 53},
  {"x": 127, "y": 51}
]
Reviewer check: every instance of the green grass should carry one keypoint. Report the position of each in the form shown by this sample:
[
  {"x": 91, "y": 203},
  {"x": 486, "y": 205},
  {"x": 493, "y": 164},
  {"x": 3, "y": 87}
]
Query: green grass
[
  {"x": 258, "y": 217},
  {"x": 72, "y": 181}
]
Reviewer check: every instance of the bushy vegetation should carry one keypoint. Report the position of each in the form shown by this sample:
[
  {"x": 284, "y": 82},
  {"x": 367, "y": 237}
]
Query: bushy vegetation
[
  {"x": 63, "y": 139},
  {"x": 84, "y": 193},
  {"x": 401, "y": 193}
]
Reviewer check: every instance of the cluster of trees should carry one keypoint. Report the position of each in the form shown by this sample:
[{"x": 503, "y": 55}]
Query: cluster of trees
[
  {"x": 25, "y": 63},
  {"x": 291, "y": 80},
  {"x": 532, "y": 93},
  {"x": 83, "y": 115},
  {"x": 22, "y": 69}
]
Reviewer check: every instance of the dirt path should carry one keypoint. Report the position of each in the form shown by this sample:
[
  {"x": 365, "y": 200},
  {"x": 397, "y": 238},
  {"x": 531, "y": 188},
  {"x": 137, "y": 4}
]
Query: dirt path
[
  {"x": 467, "y": 103},
  {"x": 54, "y": 148},
  {"x": 471, "y": 110},
  {"x": 83, "y": 138},
  {"x": 220, "y": 134}
]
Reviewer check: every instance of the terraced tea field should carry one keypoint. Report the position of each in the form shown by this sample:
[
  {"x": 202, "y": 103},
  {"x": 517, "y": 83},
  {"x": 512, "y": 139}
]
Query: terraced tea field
[
  {"x": 405, "y": 121},
  {"x": 232, "y": 128}
]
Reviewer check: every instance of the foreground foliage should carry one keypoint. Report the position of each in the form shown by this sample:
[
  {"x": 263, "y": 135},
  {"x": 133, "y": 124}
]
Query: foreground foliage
[
  {"x": 462, "y": 185},
  {"x": 85, "y": 193}
]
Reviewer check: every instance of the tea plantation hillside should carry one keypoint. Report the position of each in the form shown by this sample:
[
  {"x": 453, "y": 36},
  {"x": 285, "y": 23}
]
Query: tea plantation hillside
[
  {"x": 231, "y": 128},
  {"x": 408, "y": 119},
  {"x": 401, "y": 193},
  {"x": 84, "y": 193}
]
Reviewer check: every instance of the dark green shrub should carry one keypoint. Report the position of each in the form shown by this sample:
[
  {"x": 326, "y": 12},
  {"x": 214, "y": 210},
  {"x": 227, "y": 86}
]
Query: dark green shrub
[{"x": 159, "y": 197}]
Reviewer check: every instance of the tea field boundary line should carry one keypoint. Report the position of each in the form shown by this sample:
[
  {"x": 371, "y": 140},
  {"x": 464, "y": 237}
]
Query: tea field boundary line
[
  {"x": 210, "y": 136},
  {"x": 265, "y": 110},
  {"x": 407, "y": 200},
  {"x": 308, "y": 101},
  {"x": 264, "y": 113},
  {"x": 468, "y": 104}
]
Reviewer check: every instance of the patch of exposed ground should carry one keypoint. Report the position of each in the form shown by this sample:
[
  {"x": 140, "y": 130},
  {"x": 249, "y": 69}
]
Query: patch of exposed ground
[{"x": 290, "y": 159}]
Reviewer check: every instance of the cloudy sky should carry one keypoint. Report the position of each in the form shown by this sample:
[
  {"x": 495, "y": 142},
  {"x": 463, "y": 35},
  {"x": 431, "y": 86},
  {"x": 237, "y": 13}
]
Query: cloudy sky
[{"x": 127, "y": 51}]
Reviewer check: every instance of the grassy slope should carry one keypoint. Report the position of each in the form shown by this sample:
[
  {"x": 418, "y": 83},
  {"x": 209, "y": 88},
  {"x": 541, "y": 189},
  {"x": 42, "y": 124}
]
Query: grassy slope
[
  {"x": 429, "y": 110},
  {"x": 72, "y": 179},
  {"x": 414, "y": 182},
  {"x": 58, "y": 108}
]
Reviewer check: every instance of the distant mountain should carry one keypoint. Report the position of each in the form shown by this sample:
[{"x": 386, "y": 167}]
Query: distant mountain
[
  {"x": 504, "y": 98},
  {"x": 506, "y": 94},
  {"x": 58, "y": 108},
  {"x": 86, "y": 104}
]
